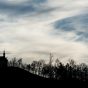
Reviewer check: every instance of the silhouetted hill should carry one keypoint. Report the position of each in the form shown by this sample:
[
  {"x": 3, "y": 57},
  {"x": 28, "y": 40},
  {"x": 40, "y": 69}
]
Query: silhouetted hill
[{"x": 14, "y": 73}]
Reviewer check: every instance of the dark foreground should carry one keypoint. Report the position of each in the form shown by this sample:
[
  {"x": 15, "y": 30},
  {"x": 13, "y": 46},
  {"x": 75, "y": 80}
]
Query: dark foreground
[{"x": 13, "y": 74}]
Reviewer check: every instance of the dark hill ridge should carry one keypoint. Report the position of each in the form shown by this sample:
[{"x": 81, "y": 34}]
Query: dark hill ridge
[
  {"x": 17, "y": 75},
  {"x": 14, "y": 73}
]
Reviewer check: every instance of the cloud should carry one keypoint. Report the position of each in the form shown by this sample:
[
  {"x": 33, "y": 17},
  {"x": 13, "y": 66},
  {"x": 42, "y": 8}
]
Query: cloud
[
  {"x": 28, "y": 7},
  {"x": 16, "y": 9},
  {"x": 34, "y": 28},
  {"x": 31, "y": 43},
  {"x": 76, "y": 24},
  {"x": 13, "y": 8}
]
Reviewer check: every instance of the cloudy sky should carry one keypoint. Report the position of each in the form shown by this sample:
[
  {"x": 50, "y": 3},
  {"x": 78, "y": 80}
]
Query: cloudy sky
[{"x": 33, "y": 28}]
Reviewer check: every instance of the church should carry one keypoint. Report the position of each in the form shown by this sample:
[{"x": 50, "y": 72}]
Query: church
[{"x": 3, "y": 61}]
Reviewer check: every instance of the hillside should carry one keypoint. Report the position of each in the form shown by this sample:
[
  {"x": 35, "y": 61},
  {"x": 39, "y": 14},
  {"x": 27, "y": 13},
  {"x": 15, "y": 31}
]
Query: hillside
[
  {"x": 14, "y": 73},
  {"x": 17, "y": 75}
]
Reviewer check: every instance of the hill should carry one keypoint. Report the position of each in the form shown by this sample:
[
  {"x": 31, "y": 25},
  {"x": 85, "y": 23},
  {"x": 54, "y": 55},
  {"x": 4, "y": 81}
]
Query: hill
[{"x": 15, "y": 73}]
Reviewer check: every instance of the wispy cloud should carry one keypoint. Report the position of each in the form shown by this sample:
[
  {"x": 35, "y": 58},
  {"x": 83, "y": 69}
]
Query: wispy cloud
[
  {"x": 77, "y": 24},
  {"x": 26, "y": 27},
  {"x": 28, "y": 7}
]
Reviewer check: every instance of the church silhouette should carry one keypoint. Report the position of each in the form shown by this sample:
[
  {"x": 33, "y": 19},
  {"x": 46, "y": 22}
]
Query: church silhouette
[{"x": 3, "y": 61}]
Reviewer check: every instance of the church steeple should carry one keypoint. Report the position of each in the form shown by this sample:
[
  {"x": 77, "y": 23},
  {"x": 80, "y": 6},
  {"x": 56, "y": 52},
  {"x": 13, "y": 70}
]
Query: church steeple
[{"x": 4, "y": 53}]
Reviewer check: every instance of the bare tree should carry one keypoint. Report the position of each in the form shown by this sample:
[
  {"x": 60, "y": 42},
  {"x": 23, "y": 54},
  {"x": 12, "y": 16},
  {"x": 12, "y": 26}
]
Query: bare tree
[
  {"x": 40, "y": 65},
  {"x": 34, "y": 67},
  {"x": 57, "y": 62},
  {"x": 19, "y": 62}
]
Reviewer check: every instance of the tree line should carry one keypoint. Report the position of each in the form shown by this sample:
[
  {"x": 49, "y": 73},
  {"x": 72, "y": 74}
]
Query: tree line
[{"x": 55, "y": 70}]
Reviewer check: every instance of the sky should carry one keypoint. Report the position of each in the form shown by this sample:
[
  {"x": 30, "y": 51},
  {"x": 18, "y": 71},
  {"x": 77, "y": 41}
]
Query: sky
[{"x": 32, "y": 29}]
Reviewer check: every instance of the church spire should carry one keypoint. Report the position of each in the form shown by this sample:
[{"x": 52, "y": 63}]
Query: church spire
[{"x": 4, "y": 53}]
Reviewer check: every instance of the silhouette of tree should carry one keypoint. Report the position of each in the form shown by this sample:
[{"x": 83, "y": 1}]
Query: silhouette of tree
[
  {"x": 28, "y": 67},
  {"x": 56, "y": 70},
  {"x": 24, "y": 66},
  {"x": 19, "y": 62},
  {"x": 45, "y": 70},
  {"x": 14, "y": 62},
  {"x": 34, "y": 67},
  {"x": 57, "y": 63},
  {"x": 59, "y": 71},
  {"x": 40, "y": 65}
]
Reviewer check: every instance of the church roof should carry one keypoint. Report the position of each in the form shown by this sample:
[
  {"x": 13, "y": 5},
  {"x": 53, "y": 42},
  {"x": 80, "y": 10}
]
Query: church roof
[{"x": 2, "y": 58}]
